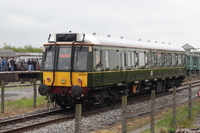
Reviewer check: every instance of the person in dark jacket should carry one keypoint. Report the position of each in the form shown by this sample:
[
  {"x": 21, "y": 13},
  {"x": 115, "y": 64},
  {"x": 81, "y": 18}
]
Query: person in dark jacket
[
  {"x": 29, "y": 64},
  {"x": 12, "y": 64},
  {"x": 34, "y": 64}
]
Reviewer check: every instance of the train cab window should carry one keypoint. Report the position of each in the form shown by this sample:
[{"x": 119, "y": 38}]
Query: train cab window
[
  {"x": 107, "y": 59},
  {"x": 64, "y": 58},
  {"x": 49, "y": 58},
  {"x": 80, "y": 58}
]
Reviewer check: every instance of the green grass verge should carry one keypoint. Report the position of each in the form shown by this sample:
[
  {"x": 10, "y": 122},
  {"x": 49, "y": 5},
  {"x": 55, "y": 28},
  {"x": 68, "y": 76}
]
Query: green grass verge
[
  {"x": 164, "y": 125},
  {"x": 22, "y": 105},
  {"x": 24, "y": 102}
]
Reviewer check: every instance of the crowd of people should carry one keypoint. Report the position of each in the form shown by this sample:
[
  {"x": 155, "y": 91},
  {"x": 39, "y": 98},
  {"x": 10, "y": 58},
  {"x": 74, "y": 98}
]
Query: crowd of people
[{"x": 10, "y": 64}]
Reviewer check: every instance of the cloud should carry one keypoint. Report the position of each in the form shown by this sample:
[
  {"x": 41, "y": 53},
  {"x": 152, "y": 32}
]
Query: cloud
[{"x": 26, "y": 22}]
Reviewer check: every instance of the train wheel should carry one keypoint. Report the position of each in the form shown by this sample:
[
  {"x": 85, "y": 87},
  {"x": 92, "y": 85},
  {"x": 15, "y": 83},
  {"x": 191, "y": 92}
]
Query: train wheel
[
  {"x": 89, "y": 105},
  {"x": 63, "y": 107},
  {"x": 108, "y": 101},
  {"x": 166, "y": 89}
]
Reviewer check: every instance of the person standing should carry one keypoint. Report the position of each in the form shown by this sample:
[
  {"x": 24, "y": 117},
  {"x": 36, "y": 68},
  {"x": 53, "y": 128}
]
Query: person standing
[
  {"x": 4, "y": 64},
  {"x": 12, "y": 64},
  {"x": 34, "y": 64},
  {"x": 22, "y": 65},
  {"x": 29, "y": 64}
]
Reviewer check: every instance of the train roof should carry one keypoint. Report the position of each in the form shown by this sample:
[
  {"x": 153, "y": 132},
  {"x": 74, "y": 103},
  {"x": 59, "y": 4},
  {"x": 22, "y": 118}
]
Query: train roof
[{"x": 113, "y": 41}]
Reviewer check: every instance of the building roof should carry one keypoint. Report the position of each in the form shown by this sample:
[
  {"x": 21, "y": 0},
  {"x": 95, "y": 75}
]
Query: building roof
[
  {"x": 187, "y": 46},
  {"x": 7, "y": 53}
]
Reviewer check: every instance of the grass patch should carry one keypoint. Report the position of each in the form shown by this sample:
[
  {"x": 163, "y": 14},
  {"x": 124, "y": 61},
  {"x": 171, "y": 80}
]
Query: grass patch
[
  {"x": 181, "y": 118},
  {"x": 22, "y": 105}
]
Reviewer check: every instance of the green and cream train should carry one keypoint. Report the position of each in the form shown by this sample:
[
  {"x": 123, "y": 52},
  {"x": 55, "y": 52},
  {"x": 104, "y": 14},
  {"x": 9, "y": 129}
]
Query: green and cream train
[{"x": 91, "y": 69}]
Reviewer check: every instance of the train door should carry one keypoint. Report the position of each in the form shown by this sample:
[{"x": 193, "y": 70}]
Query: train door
[
  {"x": 106, "y": 66},
  {"x": 123, "y": 69},
  {"x": 118, "y": 65},
  {"x": 98, "y": 66}
]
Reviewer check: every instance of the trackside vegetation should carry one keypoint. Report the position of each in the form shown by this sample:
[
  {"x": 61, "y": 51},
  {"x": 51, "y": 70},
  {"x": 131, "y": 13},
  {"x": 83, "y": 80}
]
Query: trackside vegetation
[
  {"x": 26, "y": 48},
  {"x": 165, "y": 124},
  {"x": 23, "y": 105}
]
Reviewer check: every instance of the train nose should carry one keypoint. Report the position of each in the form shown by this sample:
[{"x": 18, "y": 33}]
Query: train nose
[
  {"x": 43, "y": 89},
  {"x": 77, "y": 91}
]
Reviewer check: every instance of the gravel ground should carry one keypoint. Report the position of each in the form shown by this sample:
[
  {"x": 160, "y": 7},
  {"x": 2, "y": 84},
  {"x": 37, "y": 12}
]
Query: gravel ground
[{"x": 105, "y": 118}]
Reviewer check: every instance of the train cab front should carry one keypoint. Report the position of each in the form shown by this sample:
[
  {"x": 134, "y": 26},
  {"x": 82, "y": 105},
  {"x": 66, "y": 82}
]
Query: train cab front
[{"x": 65, "y": 69}]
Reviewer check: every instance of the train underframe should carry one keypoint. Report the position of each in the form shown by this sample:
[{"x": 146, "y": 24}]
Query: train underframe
[
  {"x": 90, "y": 97},
  {"x": 192, "y": 72}
]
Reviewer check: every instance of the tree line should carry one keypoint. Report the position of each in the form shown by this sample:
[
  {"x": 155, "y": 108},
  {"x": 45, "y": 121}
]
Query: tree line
[{"x": 26, "y": 48}]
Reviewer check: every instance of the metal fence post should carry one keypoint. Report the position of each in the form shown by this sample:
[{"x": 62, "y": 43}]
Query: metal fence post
[
  {"x": 174, "y": 107},
  {"x": 34, "y": 93},
  {"x": 124, "y": 114},
  {"x": 189, "y": 102},
  {"x": 2, "y": 97},
  {"x": 78, "y": 118},
  {"x": 152, "y": 110}
]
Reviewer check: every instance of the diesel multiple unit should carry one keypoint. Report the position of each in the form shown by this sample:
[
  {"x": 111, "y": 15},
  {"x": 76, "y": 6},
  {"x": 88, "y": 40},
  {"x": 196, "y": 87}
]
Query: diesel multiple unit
[{"x": 91, "y": 69}]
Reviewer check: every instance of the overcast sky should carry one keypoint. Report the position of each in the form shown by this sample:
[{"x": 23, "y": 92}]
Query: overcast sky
[{"x": 28, "y": 22}]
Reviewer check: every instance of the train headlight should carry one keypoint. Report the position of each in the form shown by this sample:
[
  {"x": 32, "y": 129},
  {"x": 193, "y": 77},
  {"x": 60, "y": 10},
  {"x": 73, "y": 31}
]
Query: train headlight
[
  {"x": 48, "y": 79},
  {"x": 63, "y": 81},
  {"x": 79, "y": 80}
]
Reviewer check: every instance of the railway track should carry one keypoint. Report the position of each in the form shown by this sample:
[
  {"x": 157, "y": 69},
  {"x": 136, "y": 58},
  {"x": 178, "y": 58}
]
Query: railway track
[{"x": 70, "y": 114}]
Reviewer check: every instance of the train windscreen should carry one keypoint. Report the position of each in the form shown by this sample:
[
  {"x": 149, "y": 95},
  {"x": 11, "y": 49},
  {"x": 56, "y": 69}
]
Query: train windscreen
[
  {"x": 49, "y": 58},
  {"x": 64, "y": 58}
]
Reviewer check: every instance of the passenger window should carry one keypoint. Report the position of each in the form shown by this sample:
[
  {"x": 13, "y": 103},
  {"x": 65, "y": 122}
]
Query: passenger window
[
  {"x": 154, "y": 59},
  {"x": 107, "y": 59},
  {"x": 173, "y": 60},
  {"x": 136, "y": 59},
  {"x": 159, "y": 56},
  {"x": 183, "y": 58},
  {"x": 97, "y": 59},
  {"x": 163, "y": 60},
  {"x": 122, "y": 60},
  {"x": 129, "y": 59},
  {"x": 167, "y": 60},
  {"x": 170, "y": 60},
  {"x": 146, "y": 59},
  {"x": 132, "y": 59},
  {"x": 141, "y": 60}
]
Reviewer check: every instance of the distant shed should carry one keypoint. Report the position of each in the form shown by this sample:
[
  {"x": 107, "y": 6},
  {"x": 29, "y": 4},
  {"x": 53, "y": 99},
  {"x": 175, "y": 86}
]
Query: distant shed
[
  {"x": 7, "y": 53},
  {"x": 26, "y": 56}
]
